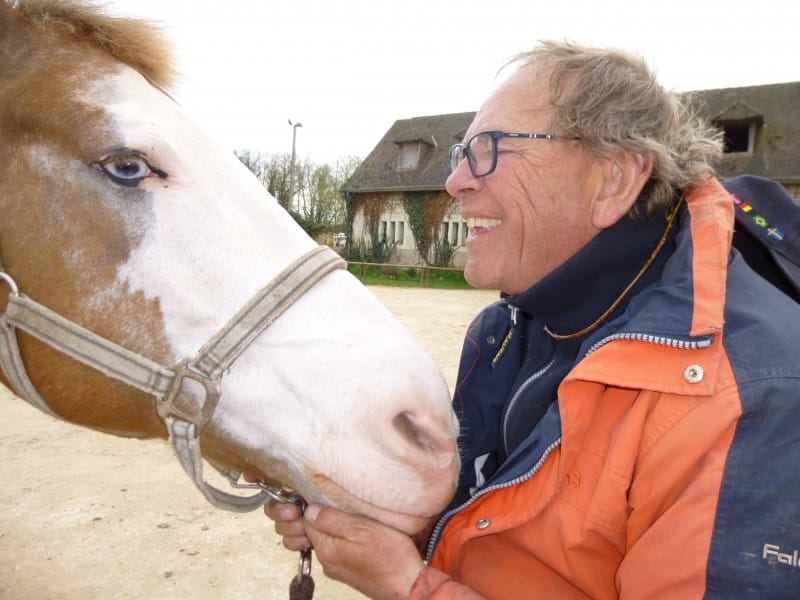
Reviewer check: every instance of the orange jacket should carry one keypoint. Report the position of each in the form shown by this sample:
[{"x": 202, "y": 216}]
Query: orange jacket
[{"x": 668, "y": 466}]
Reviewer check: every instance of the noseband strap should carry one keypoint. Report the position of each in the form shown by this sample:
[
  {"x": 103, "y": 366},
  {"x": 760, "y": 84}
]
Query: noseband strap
[{"x": 182, "y": 414}]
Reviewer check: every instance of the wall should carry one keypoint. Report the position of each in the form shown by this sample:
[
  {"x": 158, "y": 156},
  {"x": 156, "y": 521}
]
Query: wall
[{"x": 395, "y": 219}]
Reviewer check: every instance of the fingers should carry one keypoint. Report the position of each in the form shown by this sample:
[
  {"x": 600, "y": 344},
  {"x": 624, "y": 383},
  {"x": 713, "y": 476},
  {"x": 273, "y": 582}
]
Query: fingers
[
  {"x": 288, "y": 524},
  {"x": 282, "y": 511},
  {"x": 330, "y": 521},
  {"x": 373, "y": 558}
]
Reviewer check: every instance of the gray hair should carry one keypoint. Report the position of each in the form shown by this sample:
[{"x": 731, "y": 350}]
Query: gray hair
[{"x": 612, "y": 101}]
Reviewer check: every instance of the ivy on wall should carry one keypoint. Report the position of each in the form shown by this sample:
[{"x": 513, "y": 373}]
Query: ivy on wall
[
  {"x": 425, "y": 212},
  {"x": 372, "y": 206}
]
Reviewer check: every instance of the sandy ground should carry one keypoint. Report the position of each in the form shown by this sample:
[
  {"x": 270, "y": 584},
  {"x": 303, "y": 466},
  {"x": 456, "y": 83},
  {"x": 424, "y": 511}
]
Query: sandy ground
[{"x": 87, "y": 515}]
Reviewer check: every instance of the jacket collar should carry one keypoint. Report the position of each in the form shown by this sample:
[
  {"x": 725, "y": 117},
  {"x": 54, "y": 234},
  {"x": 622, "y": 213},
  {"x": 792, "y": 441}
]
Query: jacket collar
[
  {"x": 579, "y": 291},
  {"x": 688, "y": 275},
  {"x": 681, "y": 311}
]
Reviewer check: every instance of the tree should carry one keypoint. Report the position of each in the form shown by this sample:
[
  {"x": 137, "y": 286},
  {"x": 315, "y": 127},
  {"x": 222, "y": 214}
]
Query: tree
[
  {"x": 255, "y": 161},
  {"x": 277, "y": 182},
  {"x": 318, "y": 201},
  {"x": 272, "y": 172}
]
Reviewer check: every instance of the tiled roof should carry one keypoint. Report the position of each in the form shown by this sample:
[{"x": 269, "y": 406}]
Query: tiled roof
[{"x": 379, "y": 173}]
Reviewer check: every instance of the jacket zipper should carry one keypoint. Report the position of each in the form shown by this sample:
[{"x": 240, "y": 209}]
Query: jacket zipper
[
  {"x": 652, "y": 339},
  {"x": 517, "y": 395},
  {"x": 642, "y": 337},
  {"x": 437, "y": 530}
]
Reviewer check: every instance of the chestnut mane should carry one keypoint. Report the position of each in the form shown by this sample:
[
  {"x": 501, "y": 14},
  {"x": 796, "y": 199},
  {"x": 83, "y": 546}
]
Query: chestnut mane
[{"x": 136, "y": 42}]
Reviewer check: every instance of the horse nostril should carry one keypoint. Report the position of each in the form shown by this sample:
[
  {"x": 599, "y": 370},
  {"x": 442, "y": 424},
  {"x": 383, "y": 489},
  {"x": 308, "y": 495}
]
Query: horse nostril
[
  {"x": 409, "y": 430},
  {"x": 433, "y": 441}
]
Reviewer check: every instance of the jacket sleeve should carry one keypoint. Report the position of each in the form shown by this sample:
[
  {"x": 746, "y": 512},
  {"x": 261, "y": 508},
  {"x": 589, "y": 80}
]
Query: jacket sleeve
[{"x": 435, "y": 585}]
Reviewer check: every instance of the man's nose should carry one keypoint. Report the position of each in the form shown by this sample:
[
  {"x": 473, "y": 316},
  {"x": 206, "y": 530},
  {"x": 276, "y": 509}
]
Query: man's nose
[{"x": 461, "y": 180}]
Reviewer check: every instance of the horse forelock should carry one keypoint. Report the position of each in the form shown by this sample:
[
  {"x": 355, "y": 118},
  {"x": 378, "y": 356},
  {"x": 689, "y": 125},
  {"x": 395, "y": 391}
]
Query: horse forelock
[{"x": 135, "y": 42}]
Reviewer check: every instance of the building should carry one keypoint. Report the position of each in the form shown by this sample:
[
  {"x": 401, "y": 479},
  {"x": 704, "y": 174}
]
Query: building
[
  {"x": 407, "y": 169},
  {"x": 397, "y": 193},
  {"x": 761, "y": 125}
]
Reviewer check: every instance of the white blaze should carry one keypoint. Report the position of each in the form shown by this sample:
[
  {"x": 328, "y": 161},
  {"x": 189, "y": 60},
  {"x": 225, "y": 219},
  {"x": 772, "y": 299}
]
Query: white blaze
[{"x": 318, "y": 390}]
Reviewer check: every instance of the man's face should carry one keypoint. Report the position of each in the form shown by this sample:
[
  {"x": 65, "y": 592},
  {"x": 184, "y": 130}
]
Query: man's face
[{"x": 534, "y": 211}]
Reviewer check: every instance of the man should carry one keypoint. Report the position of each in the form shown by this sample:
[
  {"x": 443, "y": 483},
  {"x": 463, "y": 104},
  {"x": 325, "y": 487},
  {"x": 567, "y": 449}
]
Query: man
[{"x": 629, "y": 408}]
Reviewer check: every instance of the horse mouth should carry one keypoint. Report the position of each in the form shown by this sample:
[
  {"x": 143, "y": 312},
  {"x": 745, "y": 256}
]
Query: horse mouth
[{"x": 340, "y": 498}]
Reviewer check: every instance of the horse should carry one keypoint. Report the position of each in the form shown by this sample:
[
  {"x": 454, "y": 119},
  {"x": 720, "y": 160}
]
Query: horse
[{"x": 151, "y": 287}]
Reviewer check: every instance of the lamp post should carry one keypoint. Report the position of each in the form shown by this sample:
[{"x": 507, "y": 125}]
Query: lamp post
[{"x": 291, "y": 164}]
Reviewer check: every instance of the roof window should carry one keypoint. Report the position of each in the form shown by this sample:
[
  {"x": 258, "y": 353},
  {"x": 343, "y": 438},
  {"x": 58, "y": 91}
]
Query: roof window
[{"x": 408, "y": 154}]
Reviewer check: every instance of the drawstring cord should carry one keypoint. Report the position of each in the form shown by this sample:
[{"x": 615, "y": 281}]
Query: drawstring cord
[{"x": 571, "y": 336}]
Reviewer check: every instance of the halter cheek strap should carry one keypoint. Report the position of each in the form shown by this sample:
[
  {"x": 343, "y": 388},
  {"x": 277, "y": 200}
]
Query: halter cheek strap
[
  {"x": 11, "y": 361},
  {"x": 183, "y": 416}
]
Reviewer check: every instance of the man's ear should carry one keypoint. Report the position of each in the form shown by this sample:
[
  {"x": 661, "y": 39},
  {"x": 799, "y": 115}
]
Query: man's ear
[{"x": 624, "y": 177}]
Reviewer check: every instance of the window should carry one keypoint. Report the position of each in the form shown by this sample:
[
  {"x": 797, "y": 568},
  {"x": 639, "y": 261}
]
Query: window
[
  {"x": 408, "y": 155},
  {"x": 383, "y": 231},
  {"x": 401, "y": 226},
  {"x": 739, "y": 124},
  {"x": 739, "y": 136},
  {"x": 453, "y": 233}
]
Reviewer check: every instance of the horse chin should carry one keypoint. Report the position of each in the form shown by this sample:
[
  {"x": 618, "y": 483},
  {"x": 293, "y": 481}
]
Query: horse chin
[{"x": 335, "y": 495}]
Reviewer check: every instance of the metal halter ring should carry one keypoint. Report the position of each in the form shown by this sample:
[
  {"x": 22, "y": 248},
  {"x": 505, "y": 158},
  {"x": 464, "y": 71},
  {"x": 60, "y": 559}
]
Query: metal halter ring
[
  {"x": 200, "y": 414},
  {"x": 282, "y": 495},
  {"x": 10, "y": 282}
]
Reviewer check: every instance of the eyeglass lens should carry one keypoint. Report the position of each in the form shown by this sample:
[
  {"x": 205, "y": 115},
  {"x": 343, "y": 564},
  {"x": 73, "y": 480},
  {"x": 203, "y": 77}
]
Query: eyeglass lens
[
  {"x": 479, "y": 151},
  {"x": 456, "y": 154}
]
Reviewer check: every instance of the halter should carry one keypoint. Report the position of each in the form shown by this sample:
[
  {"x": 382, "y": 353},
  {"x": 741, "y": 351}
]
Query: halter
[{"x": 183, "y": 417}]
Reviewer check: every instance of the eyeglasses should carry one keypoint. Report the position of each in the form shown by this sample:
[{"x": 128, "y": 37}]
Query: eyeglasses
[{"x": 481, "y": 150}]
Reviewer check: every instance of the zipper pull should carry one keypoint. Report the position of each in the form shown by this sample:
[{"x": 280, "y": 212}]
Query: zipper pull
[{"x": 513, "y": 310}]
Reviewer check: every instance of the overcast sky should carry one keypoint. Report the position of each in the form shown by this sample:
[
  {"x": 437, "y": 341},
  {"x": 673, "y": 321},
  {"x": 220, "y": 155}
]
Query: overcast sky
[{"x": 348, "y": 69}]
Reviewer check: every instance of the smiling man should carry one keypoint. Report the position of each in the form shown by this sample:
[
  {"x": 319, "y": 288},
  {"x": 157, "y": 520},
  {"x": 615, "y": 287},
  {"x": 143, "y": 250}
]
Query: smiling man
[{"x": 629, "y": 408}]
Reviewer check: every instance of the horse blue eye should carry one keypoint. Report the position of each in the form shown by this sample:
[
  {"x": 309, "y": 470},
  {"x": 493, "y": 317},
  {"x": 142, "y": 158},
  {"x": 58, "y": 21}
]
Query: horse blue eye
[{"x": 127, "y": 169}]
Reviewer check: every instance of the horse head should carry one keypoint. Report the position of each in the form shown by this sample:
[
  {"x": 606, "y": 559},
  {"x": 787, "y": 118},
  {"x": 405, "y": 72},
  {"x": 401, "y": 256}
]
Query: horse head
[{"x": 121, "y": 216}]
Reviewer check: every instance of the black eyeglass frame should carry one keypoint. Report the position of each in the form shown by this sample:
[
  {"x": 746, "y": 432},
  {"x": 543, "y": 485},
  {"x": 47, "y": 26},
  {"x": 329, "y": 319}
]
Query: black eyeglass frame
[{"x": 461, "y": 151}]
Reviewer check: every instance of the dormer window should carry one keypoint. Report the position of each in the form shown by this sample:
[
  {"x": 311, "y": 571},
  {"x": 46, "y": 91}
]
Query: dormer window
[
  {"x": 739, "y": 136},
  {"x": 739, "y": 124},
  {"x": 408, "y": 154}
]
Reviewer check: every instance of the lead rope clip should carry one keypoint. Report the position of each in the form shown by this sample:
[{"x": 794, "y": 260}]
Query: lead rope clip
[{"x": 302, "y": 585}]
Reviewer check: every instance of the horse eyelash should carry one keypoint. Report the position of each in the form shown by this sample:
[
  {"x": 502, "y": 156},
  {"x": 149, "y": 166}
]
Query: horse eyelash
[
  {"x": 161, "y": 174},
  {"x": 100, "y": 164}
]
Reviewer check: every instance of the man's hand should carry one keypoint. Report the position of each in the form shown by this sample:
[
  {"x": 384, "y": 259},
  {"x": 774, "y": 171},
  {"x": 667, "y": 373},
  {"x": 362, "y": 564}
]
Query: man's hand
[
  {"x": 369, "y": 556},
  {"x": 289, "y": 524}
]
